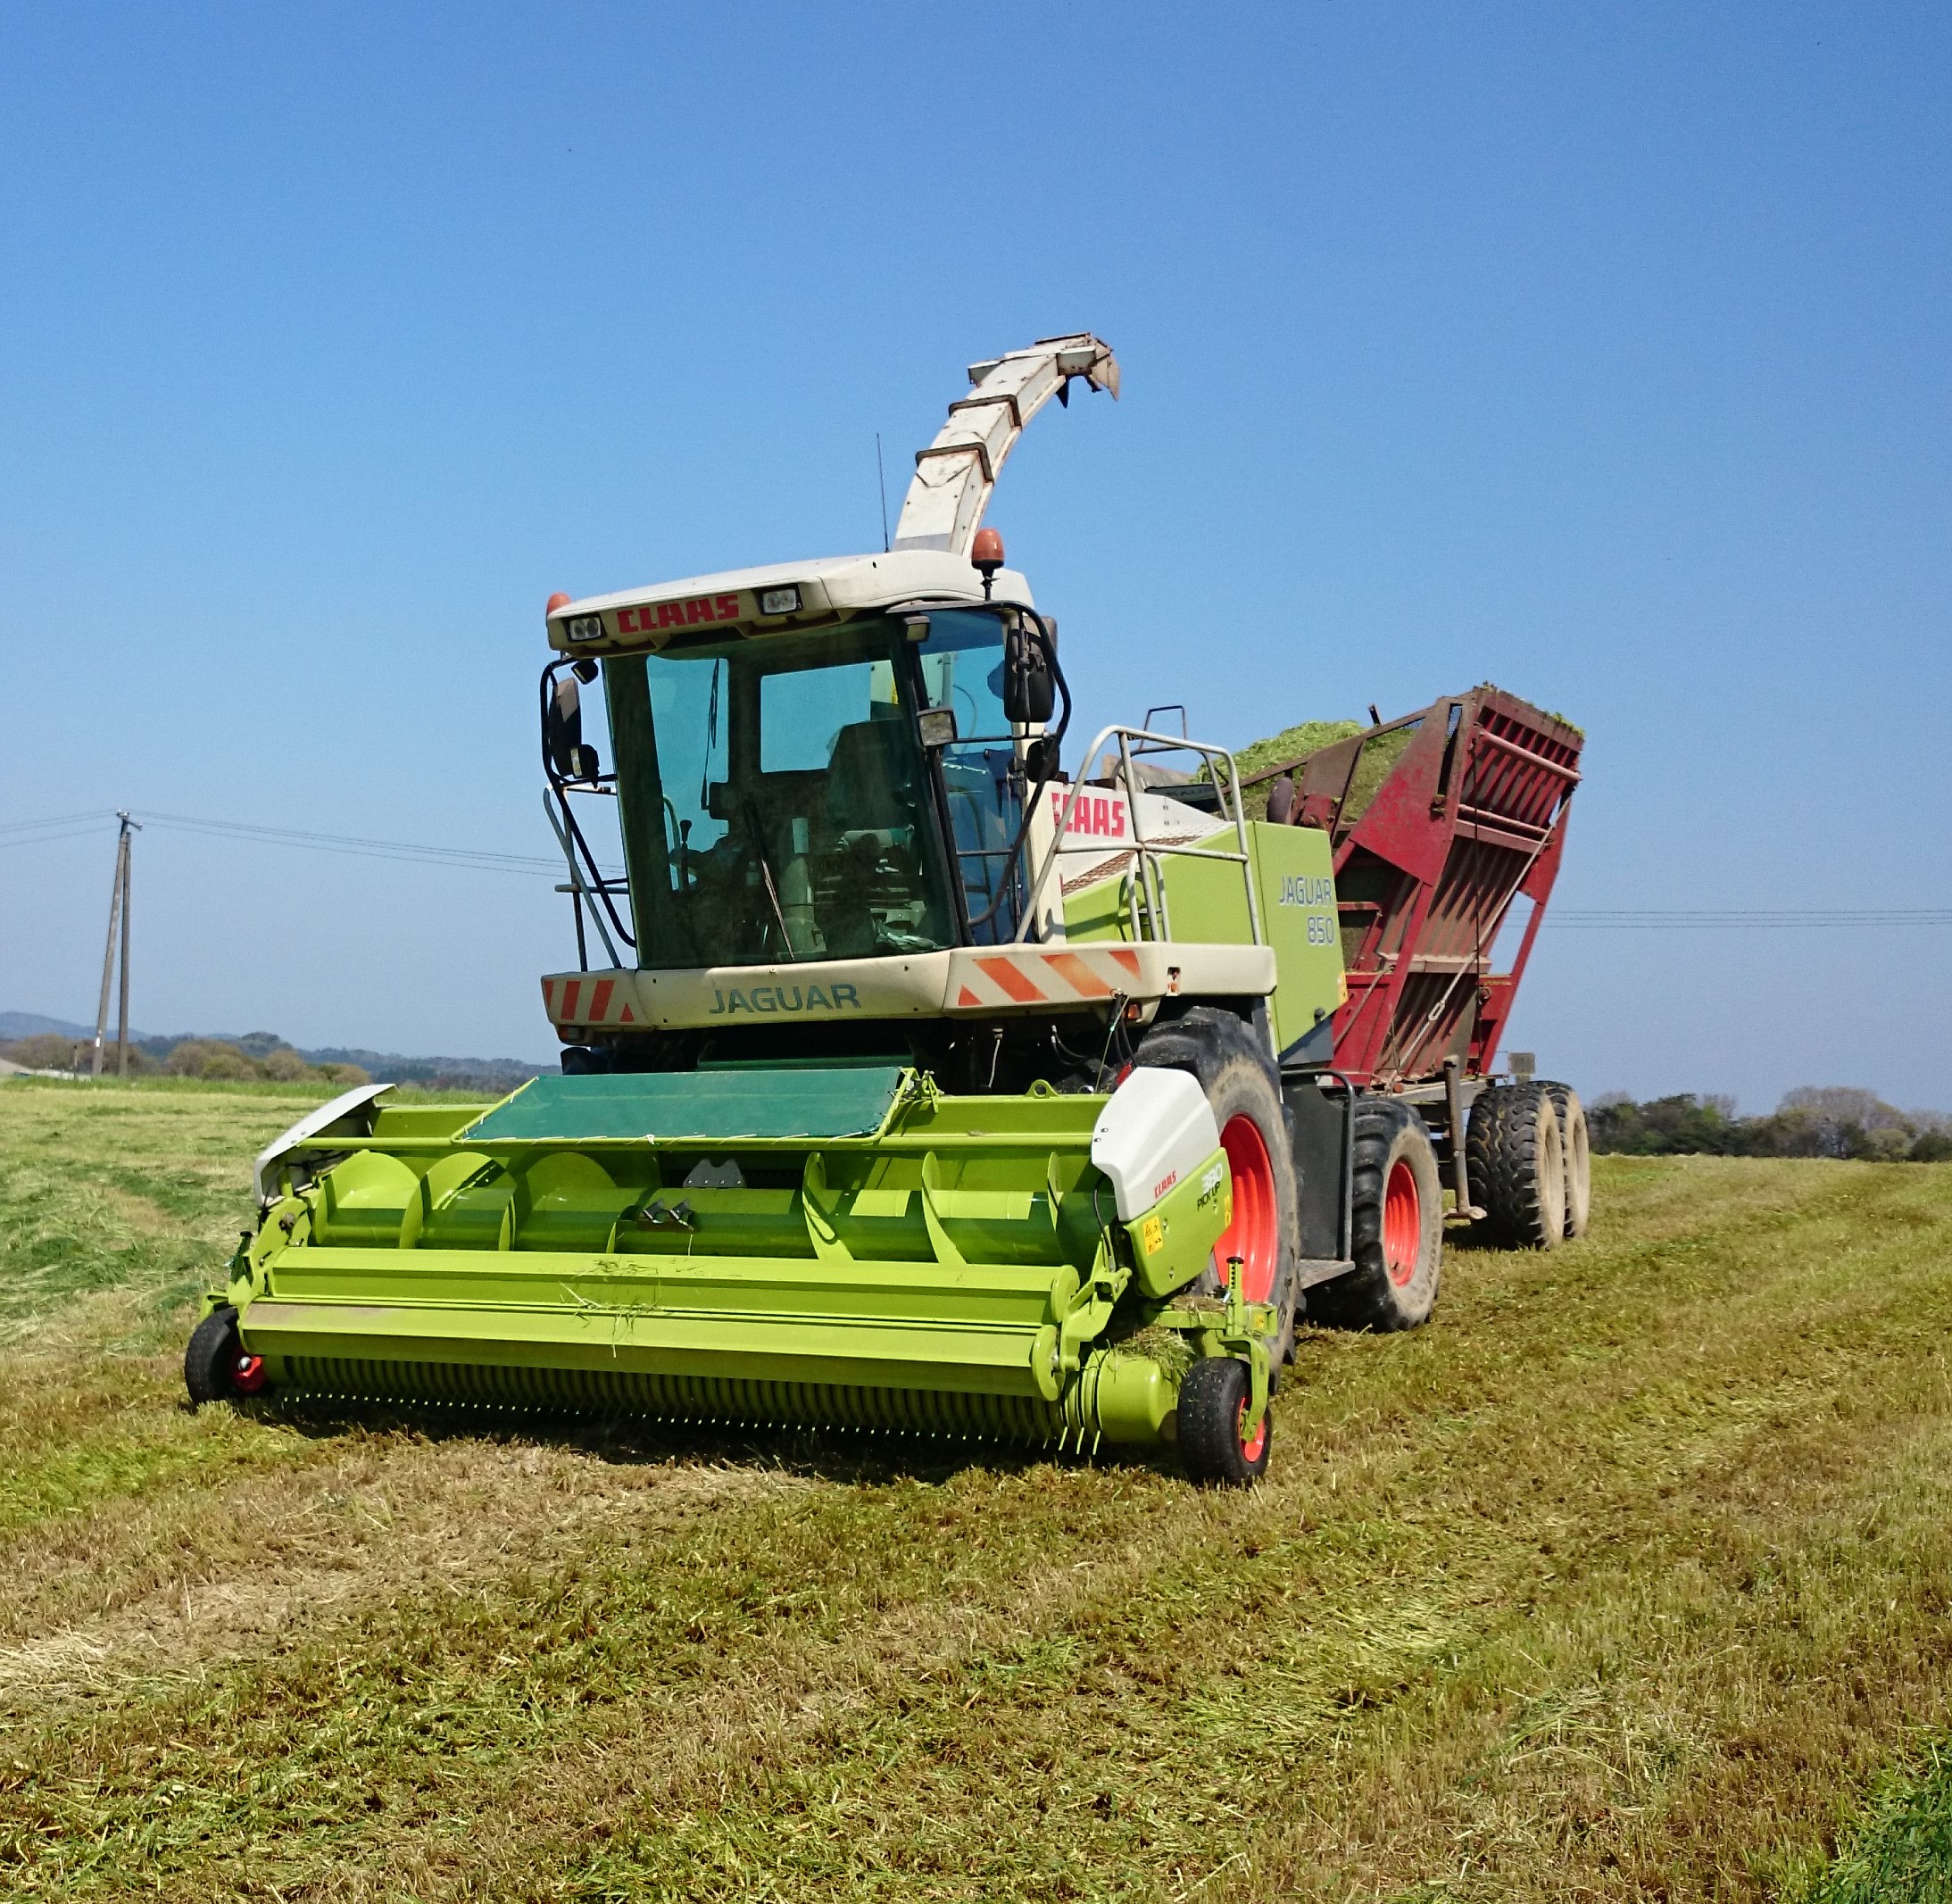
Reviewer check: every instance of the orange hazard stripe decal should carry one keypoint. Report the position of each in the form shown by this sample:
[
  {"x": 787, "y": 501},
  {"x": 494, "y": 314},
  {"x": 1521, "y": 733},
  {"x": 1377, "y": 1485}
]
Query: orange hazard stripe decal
[
  {"x": 1129, "y": 959},
  {"x": 549, "y": 996},
  {"x": 1007, "y": 977},
  {"x": 600, "y": 1000},
  {"x": 1081, "y": 978},
  {"x": 570, "y": 987},
  {"x": 967, "y": 997}
]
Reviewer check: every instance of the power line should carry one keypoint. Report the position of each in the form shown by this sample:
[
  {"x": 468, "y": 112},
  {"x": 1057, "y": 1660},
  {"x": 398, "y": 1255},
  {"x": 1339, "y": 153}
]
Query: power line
[
  {"x": 1743, "y": 920},
  {"x": 71, "y": 833},
  {"x": 358, "y": 847},
  {"x": 413, "y": 852},
  {"x": 59, "y": 819}
]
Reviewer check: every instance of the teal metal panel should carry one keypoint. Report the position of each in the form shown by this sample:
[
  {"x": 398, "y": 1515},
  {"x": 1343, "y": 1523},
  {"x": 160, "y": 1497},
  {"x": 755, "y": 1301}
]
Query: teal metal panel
[{"x": 710, "y": 1106}]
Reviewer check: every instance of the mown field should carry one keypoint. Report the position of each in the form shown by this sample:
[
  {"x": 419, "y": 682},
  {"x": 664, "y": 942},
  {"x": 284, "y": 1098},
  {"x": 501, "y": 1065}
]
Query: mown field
[{"x": 1630, "y": 1577}]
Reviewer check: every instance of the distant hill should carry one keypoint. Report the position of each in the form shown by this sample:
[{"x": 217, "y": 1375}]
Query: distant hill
[
  {"x": 444, "y": 1073},
  {"x": 30, "y": 1024}
]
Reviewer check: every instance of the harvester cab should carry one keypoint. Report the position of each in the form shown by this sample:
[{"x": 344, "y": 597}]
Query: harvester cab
[{"x": 910, "y": 1082}]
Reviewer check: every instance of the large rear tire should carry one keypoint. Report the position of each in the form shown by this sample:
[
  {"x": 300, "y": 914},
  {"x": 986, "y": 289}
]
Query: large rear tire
[
  {"x": 1396, "y": 1226},
  {"x": 1216, "y": 1440},
  {"x": 1518, "y": 1167},
  {"x": 1575, "y": 1149},
  {"x": 1238, "y": 1076}
]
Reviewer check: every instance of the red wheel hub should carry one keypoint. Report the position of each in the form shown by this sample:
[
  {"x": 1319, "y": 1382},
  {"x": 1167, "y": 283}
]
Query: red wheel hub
[
  {"x": 1402, "y": 1224},
  {"x": 248, "y": 1376},
  {"x": 1251, "y": 1446},
  {"x": 1254, "y": 1235}
]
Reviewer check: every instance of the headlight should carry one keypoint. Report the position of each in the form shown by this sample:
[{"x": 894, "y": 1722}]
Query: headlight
[
  {"x": 938, "y": 725},
  {"x": 585, "y": 627},
  {"x": 779, "y": 601}
]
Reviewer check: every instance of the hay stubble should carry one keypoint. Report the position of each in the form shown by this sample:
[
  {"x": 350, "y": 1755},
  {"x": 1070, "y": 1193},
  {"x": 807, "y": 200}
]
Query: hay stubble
[{"x": 1624, "y": 1580}]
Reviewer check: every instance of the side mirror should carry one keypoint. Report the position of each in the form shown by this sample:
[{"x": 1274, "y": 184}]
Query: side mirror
[
  {"x": 1029, "y": 693},
  {"x": 562, "y": 729}
]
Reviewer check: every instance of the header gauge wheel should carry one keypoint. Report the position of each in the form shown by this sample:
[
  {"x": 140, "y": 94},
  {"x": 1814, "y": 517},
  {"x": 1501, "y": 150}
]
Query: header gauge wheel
[
  {"x": 1216, "y": 1440},
  {"x": 211, "y": 1361}
]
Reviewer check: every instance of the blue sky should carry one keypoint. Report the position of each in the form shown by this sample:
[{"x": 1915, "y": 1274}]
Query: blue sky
[{"x": 1601, "y": 352}]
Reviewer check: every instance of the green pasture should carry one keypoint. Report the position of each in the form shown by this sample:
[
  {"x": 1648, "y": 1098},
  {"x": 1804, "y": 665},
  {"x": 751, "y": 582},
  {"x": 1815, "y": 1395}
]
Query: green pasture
[{"x": 1630, "y": 1577}]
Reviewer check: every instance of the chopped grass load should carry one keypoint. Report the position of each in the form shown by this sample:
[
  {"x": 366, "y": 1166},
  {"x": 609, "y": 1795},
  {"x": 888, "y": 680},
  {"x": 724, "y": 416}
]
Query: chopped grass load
[{"x": 1630, "y": 1576}]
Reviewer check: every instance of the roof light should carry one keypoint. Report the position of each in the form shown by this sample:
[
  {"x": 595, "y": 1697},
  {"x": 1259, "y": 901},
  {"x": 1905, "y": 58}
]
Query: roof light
[
  {"x": 779, "y": 601},
  {"x": 986, "y": 552},
  {"x": 556, "y": 601},
  {"x": 585, "y": 627}
]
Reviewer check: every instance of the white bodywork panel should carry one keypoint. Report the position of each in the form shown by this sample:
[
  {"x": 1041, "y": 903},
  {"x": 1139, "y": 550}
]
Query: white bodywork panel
[
  {"x": 975, "y": 981},
  {"x": 307, "y": 1127},
  {"x": 1101, "y": 823},
  {"x": 1156, "y": 1131},
  {"x": 955, "y": 474},
  {"x": 832, "y": 588}
]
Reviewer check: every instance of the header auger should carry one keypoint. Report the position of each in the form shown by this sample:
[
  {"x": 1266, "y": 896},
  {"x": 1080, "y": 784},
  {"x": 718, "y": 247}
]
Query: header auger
[{"x": 918, "y": 1084}]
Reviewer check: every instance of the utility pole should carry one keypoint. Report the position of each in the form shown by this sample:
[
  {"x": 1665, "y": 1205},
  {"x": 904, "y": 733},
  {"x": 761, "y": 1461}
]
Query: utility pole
[{"x": 118, "y": 926}]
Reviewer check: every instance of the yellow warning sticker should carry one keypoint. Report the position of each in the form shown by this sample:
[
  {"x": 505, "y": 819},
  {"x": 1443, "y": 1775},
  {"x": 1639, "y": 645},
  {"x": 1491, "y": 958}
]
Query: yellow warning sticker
[{"x": 1153, "y": 1230}]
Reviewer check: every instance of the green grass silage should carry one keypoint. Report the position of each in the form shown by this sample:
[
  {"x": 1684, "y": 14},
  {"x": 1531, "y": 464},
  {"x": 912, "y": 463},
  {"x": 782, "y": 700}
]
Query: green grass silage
[{"x": 1629, "y": 1578}]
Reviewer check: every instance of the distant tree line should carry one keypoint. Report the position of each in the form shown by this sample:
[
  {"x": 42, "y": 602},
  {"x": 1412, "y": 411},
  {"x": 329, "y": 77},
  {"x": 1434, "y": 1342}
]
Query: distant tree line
[
  {"x": 1811, "y": 1121},
  {"x": 263, "y": 1057}
]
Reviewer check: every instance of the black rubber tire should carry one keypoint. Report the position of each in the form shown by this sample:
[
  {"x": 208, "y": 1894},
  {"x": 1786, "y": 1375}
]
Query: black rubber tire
[
  {"x": 1516, "y": 1166},
  {"x": 1388, "y": 1136},
  {"x": 1238, "y": 1075},
  {"x": 210, "y": 1359},
  {"x": 1212, "y": 1399},
  {"x": 1575, "y": 1150}
]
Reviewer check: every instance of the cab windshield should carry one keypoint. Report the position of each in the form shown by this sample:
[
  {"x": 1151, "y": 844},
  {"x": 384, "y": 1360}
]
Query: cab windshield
[{"x": 777, "y": 804}]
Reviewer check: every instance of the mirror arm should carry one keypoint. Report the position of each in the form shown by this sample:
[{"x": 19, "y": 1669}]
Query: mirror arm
[
  {"x": 1051, "y": 738},
  {"x": 594, "y": 888}
]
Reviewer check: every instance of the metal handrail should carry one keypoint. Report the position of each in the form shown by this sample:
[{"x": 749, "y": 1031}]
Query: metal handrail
[{"x": 1149, "y": 852}]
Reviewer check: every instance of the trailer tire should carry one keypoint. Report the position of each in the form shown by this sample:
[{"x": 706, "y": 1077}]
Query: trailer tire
[
  {"x": 1396, "y": 1226},
  {"x": 1575, "y": 1149},
  {"x": 1518, "y": 1166},
  {"x": 210, "y": 1361},
  {"x": 1241, "y": 1087},
  {"x": 1212, "y": 1418}
]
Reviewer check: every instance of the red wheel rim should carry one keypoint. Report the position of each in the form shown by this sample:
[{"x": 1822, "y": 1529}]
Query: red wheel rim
[
  {"x": 1251, "y": 1448},
  {"x": 1254, "y": 1235},
  {"x": 1402, "y": 1224},
  {"x": 248, "y": 1376}
]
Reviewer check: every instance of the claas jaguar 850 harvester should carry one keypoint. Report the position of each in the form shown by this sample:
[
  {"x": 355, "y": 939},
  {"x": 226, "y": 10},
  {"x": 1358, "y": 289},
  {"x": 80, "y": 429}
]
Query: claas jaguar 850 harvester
[{"x": 910, "y": 1082}]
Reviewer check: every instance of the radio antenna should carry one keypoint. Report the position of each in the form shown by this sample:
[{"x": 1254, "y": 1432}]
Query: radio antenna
[{"x": 882, "y": 476}]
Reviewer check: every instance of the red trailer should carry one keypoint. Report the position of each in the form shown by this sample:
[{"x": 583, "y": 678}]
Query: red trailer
[
  {"x": 1444, "y": 822},
  {"x": 1447, "y": 827}
]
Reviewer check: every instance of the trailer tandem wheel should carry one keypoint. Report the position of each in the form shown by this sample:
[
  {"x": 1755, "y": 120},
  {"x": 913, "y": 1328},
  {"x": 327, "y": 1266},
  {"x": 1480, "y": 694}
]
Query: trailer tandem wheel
[
  {"x": 1575, "y": 1148},
  {"x": 1517, "y": 1160},
  {"x": 1396, "y": 1225}
]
